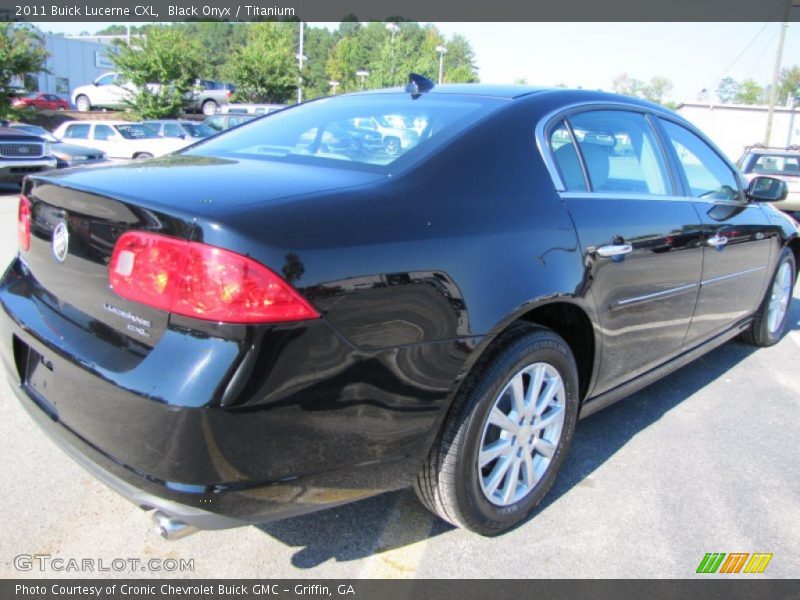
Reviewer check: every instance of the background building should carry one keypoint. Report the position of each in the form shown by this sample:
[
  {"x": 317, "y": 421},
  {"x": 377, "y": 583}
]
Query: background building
[{"x": 734, "y": 126}]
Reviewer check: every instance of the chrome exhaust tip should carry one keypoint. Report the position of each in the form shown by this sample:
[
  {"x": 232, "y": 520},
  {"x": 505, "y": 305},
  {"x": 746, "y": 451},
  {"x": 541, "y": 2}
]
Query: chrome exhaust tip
[{"x": 171, "y": 528}]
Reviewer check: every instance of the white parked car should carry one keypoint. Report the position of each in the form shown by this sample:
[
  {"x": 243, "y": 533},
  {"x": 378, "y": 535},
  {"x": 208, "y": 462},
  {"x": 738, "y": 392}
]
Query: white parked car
[
  {"x": 107, "y": 91},
  {"x": 119, "y": 139}
]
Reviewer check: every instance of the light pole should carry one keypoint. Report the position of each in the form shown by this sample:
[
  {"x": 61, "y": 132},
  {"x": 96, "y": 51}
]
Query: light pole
[
  {"x": 334, "y": 85},
  {"x": 442, "y": 51},
  {"x": 300, "y": 58},
  {"x": 362, "y": 75},
  {"x": 392, "y": 27}
]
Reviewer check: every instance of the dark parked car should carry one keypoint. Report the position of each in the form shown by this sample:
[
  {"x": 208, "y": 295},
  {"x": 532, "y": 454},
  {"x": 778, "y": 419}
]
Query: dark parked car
[
  {"x": 263, "y": 325},
  {"x": 66, "y": 155},
  {"x": 227, "y": 121},
  {"x": 22, "y": 153}
]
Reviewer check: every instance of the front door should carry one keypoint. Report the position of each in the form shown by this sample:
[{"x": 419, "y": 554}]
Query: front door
[
  {"x": 736, "y": 244},
  {"x": 641, "y": 243}
]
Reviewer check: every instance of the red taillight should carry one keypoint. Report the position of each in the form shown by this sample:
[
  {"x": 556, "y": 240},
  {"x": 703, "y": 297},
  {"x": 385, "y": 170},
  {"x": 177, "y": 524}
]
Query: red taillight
[
  {"x": 24, "y": 223},
  {"x": 201, "y": 281}
]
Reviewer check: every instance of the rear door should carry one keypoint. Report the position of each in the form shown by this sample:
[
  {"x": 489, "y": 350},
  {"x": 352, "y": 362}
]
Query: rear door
[
  {"x": 736, "y": 240},
  {"x": 641, "y": 243}
]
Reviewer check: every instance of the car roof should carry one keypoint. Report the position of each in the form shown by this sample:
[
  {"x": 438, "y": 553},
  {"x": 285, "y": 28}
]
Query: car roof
[
  {"x": 790, "y": 151},
  {"x": 471, "y": 89},
  {"x": 100, "y": 122}
]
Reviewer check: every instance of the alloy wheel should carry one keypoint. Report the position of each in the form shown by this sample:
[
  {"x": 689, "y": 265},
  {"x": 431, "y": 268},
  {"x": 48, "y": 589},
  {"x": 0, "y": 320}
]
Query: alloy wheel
[
  {"x": 521, "y": 434},
  {"x": 780, "y": 298}
]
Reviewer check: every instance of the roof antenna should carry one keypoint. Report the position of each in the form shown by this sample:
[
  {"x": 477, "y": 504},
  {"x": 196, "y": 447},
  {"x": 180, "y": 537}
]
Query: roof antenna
[{"x": 417, "y": 84}]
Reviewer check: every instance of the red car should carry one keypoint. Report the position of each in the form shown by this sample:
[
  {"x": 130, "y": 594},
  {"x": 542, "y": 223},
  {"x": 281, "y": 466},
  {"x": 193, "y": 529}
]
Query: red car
[{"x": 42, "y": 101}]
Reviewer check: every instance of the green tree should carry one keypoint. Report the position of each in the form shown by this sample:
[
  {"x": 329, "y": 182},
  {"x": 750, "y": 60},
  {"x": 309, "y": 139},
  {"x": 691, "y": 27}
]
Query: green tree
[
  {"x": 657, "y": 90},
  {"x": 459, "y": 62},
  {"x": 162, "y": 67},
  {"x": 789, "y": 84},
  {"x": 727, "y": 89},
  {"x": 21, "y": 52},
  {"x": 318, "y": 46},
  {"x": 627, "y": 86},
  {"x": 265, "y": 68},
  {"x": 749, "y": 92}
]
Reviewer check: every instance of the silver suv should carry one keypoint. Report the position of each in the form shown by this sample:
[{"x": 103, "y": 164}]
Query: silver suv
[{"x": 781, "y": 163}]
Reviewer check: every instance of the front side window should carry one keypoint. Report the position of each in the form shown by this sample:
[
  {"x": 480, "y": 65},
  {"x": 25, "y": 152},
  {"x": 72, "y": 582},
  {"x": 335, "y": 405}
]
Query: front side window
[
  {"x": 77, "y": 132},
  {"x": 706, "y": 173},
  {"x": 620, "y": 152},
  {"x": 106, "y": 79}
]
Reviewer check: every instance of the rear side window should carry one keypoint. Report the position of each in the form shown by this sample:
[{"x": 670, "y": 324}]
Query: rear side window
[
  {"x": 172, "y": 131},
  {"x": 620, "y": 152},
  {"x": 707, "y": 174},
  {"x": 77, "y": 132},
  {"x": 566, "y": 157},
  {"x": 103, "y": 132}
]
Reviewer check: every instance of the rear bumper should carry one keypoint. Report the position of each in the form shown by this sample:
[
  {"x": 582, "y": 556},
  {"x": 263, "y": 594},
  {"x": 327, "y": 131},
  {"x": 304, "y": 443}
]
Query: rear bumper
[{"x": 316, "y": 422}]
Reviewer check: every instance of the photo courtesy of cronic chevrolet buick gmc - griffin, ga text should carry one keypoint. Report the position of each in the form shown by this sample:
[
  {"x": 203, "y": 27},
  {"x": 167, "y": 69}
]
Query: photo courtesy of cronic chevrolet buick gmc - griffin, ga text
[{"x": 298, "y": 313}]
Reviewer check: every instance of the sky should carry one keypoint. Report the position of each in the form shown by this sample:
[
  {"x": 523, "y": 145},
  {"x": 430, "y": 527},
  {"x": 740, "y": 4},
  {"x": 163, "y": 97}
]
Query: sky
[{"x": 693, "y": 56}]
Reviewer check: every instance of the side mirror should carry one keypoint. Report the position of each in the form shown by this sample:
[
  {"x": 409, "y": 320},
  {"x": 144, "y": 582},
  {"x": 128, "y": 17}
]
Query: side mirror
[{"x": 767, "y": 189}]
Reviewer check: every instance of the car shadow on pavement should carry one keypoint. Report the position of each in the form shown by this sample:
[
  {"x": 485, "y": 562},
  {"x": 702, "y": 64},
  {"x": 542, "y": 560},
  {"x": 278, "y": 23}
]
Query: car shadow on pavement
[{"x": 362, "y": 529}]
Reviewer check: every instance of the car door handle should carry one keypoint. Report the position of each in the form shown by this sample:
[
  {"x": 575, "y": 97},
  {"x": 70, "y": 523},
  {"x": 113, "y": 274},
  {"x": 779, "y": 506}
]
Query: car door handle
[
  {"x": 614, "y": 250},
  {"x": 717, "y": 241}
]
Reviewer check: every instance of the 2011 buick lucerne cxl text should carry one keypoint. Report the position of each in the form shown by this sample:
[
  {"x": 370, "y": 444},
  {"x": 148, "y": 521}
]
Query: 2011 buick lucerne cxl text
[{"x": 301, "y": 312}]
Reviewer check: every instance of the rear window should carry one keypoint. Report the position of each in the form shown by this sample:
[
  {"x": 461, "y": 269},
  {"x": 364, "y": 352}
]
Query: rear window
[
  {"x": 135, "y": 131},
  {"x": 777, "y": 164},
  {"x": 332, "y": 129}
]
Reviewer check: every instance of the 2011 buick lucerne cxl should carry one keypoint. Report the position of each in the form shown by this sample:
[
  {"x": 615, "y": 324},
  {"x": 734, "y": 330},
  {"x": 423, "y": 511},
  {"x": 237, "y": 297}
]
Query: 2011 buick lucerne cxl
[{"x": 292, "y": 314}]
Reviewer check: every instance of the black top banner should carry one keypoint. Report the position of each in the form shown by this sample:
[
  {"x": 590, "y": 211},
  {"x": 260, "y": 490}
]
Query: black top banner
[{"x": 413, "y": 10}]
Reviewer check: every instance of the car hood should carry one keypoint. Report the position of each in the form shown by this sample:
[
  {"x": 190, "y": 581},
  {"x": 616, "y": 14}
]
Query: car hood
[
  {"x": 74, "y": 149},
  {"x": 201, "y": 186}
]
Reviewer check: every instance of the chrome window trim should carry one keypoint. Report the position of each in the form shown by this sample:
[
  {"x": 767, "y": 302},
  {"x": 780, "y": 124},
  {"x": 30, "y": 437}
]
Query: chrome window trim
[
  {"x": 623, "y": 196},
  {"x": 544, "y": 124},
  {"x": 562, "y": 113}
]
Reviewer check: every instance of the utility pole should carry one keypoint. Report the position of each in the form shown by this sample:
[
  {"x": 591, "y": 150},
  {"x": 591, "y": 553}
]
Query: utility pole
[
  {"x": 300, "y": 58},
  {"x": 773, "y": 91}
]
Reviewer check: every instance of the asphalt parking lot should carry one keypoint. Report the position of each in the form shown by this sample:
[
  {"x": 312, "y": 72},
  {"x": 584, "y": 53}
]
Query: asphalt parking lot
[{"x": 705, "y": 460}]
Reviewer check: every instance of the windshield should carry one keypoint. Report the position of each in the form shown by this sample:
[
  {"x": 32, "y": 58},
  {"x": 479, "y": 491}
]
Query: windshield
[
  {"x": 135, "y": 131},
  {"x": 778, "y": 164},
  {"x": 333, "y": 129}
]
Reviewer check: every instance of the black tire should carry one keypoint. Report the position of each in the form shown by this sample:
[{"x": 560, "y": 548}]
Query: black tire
[
  {"x": 759, "y": 333},
  {"x": 83, "y": 104},
  {"x": 143, "y": 155},
  {"x": 209, "y": 108},
  {"x": 448, "y": 484}
]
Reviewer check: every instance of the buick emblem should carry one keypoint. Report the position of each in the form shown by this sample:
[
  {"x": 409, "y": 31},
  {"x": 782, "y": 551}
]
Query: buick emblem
[
  {"x": 60, "y": 242},
  {"x": 23, "y": 150}
]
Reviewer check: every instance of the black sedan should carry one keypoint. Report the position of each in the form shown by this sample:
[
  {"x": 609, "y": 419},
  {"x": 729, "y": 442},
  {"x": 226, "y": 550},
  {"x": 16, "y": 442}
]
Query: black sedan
[{"x": 271, "y": 322}]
